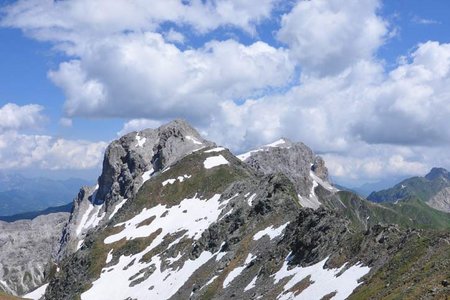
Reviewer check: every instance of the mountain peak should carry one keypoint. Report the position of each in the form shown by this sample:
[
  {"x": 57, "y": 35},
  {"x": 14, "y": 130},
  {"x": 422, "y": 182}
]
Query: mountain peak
[{"x": 436, "y": 173}]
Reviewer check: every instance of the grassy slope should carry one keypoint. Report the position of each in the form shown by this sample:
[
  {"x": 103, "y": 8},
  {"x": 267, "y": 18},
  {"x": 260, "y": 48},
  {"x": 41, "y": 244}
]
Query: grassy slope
[
  {"x": 417, "y": 271},
  {"x": 408, "y": 214},
  {"x": 418, "y": 187}
]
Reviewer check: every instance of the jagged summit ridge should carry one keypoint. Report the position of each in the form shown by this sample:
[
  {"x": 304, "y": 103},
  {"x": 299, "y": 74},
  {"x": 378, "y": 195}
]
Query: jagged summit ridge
[
  {"x": 128, "y": 162},
  {"x": 149, "y": 150},
  {"x": 296, "y": 161}
]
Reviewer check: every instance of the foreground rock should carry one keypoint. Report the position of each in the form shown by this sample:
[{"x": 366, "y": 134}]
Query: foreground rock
[{"x": 28, "y": 250}]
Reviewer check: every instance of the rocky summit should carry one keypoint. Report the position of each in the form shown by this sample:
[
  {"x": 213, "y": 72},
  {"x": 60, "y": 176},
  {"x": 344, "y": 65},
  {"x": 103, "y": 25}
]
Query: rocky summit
[{"x": 175, "y": 216}]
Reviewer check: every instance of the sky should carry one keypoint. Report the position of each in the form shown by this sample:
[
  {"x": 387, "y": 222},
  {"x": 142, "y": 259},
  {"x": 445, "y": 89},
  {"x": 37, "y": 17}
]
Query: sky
[{"x": 364, "y": 83}]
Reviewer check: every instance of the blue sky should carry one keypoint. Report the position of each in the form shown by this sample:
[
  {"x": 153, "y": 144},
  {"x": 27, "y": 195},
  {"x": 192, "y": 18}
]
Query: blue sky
[{"x": 362, "y": 82}]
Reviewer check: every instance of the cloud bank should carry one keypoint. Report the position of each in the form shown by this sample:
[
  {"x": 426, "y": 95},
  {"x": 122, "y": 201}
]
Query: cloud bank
[{"x": 319, "y": 79}]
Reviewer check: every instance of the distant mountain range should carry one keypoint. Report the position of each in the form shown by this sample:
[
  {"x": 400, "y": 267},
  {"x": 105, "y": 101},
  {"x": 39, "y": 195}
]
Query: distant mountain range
[
  {"x": 432, "y": 189},
  {"x": 19, "y": 194}
]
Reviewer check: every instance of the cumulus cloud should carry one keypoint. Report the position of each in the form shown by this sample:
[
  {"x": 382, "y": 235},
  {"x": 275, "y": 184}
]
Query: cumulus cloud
[
  {"x": 157, "y": 80},
  {"x": 366, "y": 120},
  {"x": 327, "y": 36},
  {"x": 15, "y": 117},
  {"x": 18, "y": 151},
  {"x": 75, "y": 21},
  {"x": 411, "y": 106},
  {"x": 138, "y": 124}
]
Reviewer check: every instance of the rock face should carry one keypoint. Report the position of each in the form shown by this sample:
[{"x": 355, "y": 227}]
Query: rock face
[
  {"x": 28, "y": 251},
  {"x": 432, "y": 189},
  {"x": 296, "y": 161},
  {"x": 441, "y": 201},
  {"x": 128, "y": 162}
]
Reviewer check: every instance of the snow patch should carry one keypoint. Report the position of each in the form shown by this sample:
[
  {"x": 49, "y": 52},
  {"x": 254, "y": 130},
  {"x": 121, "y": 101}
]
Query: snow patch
[
  {"x": 179, "y": 178},
  {"x": 312, "y": 202},
  {"x": 194, "y": 140},
  {"x": 214, "y": 161},
  {"x": 209, "y": 282},
  {"x": 159, "y": 285},
  {"x": 218, "y": 149},
  {"x": 80, "y": 243},
  {"x": 174, "y": 259},
  {"x": 252, "y": 284},
  {"x": 109, "y": 257},
  {"x": 140, "y": 140},
  {"x": 324, "y": 281},
  {"x": 164, "y": 282},
  {"x": 270, "y": 231},
  {"x": 237, "y": 271},
  {"x": 168, "y": 181},
  {"x": 147, "y": 175},
  {"x": 176, "y": 220},
  {"x": 250, "y": 200},
  {"x": 220, "y": 255},
  {"x": 246, "y": 155},
  {"x": 276, "y": 143},
  {"x": 326, "y": 185},
  {"x": 117, "y": 207},
  {"x": 37, "y": 293}
]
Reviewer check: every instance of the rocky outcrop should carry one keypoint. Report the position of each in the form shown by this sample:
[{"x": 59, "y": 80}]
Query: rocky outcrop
[
  {"x": 150, "y": 150},
  {"x": 128, "y": 162},
  {"x": 28, "y": 251},
  {"x": 441, "y": 201},
  {"x": 298, "y": 162}
]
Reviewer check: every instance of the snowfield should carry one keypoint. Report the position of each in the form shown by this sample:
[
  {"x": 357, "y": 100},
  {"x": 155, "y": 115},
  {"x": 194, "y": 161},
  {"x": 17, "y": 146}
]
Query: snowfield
[
  {"x": 323, "y": 281},
  {"x": 214, "y": 161},
  {"x": 192, "y": 217},
  {"x": 37, "y": 293},
  {"x": 270, "y": 231}
]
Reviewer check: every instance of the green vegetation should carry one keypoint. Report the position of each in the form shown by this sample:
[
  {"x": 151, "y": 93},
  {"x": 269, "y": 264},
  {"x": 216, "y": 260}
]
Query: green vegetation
[
  {"x": 422, "y": 215},
  {"x": 203, "y": 182},
  {"x": 421, "y": 269},
  {"x": 410, "y": 213},
  {"x": 418, "y": 187}
]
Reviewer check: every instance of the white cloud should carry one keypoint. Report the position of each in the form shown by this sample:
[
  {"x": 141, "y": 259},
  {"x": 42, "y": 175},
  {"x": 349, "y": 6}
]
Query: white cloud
[
  {"x": 15, "y": 117},
  {"x": 327, "y": 36},
  {"x": 18, "y": 151},
  {"x": 345, "y": 105},
  {"x": 138, "y": 124},
  {"x": 424, "y": 21},
  {"x": 174, "y": 36},
  {"x": 157, "y": 80},
  {"x": 366, "y": 163},
  {"x": 78, "y": 20}
]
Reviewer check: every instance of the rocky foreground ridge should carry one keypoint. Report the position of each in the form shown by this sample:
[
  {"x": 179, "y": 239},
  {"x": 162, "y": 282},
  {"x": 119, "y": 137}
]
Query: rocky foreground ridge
[{"x": 174, "y": 216}]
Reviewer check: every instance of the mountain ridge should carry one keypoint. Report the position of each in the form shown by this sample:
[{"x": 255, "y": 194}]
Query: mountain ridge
[
  {"x": 175, "y": 216},
  {"x": 433, "y": 189}
]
